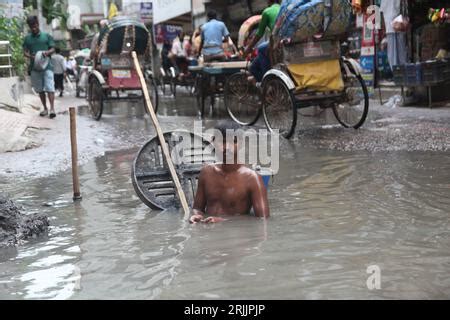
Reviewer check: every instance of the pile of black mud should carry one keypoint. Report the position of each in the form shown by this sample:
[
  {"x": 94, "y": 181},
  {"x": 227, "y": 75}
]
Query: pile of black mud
[{"x": 16, "y": 226}]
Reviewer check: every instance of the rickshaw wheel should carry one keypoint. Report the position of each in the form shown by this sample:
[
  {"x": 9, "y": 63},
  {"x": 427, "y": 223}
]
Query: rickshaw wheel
[
  {"x": 162, "y": 85},
  {"x": 279, "y": 109},
  {"x": 173, "y": 86},
  {"x": 152, "y": 87},
  {"x": 96, "y": 98},
  {"x": 352, "y": 113},
  {"x": 242, "y": 100},
  {"x": 199, "y": 93}
]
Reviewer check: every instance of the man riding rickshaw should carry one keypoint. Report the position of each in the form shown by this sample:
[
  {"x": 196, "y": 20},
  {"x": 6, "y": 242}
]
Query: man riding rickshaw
[{"x": 301, "y": 66}]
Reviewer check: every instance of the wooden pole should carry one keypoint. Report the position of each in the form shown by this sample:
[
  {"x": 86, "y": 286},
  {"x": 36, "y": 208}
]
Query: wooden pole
[
  {"x": 73, "y": 144},
  {"x": 162, "y": 141}
]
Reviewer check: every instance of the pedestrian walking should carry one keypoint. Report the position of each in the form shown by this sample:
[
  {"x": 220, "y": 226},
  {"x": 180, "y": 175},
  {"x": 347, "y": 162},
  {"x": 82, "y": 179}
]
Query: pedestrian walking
[
  {"x": 59, "y": 69},
  {"x": 38, "y": 47}
]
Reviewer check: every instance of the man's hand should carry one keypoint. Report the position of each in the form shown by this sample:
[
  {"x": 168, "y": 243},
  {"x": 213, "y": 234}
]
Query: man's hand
[
  {"x": 213, "y": 220},
  {"x": 195, "y": 218},
  {"x": 247, "y": 51}
]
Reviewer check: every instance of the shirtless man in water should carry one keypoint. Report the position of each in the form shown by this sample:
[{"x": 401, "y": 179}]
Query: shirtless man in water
[{"x": 228, "y": 188}]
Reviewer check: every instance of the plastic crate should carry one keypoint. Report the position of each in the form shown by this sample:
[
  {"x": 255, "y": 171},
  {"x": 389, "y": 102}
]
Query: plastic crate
[
  {"x": 413, "y": 74},
  {"x": 434, "y": 71},
  {"x": 398, "y": 74},
  {"x": 409, "y": 74},
  {"x": 447, "y": 71}
]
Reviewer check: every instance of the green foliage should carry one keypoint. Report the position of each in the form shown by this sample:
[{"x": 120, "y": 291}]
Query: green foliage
[
  {"x": 12, "y": 30},
  {"x": 54, "y": 9},
  {"x": 62, "y": 44}
]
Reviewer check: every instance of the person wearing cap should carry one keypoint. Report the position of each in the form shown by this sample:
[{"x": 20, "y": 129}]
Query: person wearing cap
[{"x": 38, "y": 47}]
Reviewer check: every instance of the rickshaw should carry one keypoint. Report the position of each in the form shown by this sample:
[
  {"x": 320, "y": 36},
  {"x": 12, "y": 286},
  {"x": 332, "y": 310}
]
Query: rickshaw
[
  {"x": 113, "y": 76},
  {"x": 210, "y": 80},
  {"x": 307, "y": 70},
  {"x": 84, "y": 67}
]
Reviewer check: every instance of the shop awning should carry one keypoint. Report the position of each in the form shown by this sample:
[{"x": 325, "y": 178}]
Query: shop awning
[{"x": 164, "y": 10}]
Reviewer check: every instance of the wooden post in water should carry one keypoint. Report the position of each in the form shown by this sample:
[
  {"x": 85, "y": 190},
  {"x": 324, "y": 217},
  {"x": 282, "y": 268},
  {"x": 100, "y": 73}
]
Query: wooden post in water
[{"x": 74, "y": 148}]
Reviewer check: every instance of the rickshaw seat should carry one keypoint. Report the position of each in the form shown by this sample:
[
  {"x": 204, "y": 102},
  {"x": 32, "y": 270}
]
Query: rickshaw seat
[{"x": 322, "y": 76}]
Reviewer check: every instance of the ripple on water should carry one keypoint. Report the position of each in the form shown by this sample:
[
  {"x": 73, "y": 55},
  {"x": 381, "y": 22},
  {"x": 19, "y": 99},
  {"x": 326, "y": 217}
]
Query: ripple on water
[{"x": 333, "y": 215}]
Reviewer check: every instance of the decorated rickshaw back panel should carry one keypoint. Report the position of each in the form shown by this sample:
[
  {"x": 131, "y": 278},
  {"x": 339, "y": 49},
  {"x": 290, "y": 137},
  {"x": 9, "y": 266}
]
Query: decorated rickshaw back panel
[
  {"x": 302, "y": 19},
  {"x": 123, "y": 79},
  {"x": 124, "y": 34},
  {"x": 311, "y": 51}
]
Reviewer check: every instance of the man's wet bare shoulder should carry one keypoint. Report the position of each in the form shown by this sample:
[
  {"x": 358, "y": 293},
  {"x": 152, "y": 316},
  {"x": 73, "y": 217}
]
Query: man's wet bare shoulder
[{"x": 244, "y": 173}]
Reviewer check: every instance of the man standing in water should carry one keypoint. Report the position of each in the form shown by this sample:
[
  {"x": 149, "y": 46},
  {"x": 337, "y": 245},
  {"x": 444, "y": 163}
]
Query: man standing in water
[
  {"x": 41, "y": 80},
  {"x": 228, "y": 188}
]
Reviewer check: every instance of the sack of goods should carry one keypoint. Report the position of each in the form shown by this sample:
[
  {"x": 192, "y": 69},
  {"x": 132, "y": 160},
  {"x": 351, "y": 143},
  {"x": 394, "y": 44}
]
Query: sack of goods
[
  {"x": 247, "y": 29},
  {"x": 302, "y": 19},
  {"x": 40, "y": 61}
]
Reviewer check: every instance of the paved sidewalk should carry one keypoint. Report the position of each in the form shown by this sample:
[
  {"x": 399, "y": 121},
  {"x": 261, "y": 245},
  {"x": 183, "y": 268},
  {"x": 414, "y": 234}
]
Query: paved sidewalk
[{"x": 13, "y": 127}]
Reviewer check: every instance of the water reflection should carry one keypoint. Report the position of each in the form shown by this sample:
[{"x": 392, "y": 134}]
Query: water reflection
[{"x": 333, "y": 215}]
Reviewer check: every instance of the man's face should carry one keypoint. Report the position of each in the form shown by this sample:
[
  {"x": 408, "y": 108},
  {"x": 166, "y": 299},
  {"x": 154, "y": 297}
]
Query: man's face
[
  {"x": 34, "y": 27},
  {"x": 228, "y": 148}
]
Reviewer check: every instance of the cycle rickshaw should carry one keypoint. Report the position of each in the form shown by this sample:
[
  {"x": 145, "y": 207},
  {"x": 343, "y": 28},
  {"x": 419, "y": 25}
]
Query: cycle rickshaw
[
  {"x": 113, "y": 76},
  {"x": 306, "y": 71}
]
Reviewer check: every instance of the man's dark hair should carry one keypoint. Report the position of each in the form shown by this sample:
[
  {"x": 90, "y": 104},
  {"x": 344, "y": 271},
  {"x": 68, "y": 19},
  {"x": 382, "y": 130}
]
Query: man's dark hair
[
  {"x": 57, "y": 50},
  {"x": 225, "y": 125},
  {"x": 212, "y": 14},
  {"x": 274, "y": 1},
  {"x": 31, "y": 20}
]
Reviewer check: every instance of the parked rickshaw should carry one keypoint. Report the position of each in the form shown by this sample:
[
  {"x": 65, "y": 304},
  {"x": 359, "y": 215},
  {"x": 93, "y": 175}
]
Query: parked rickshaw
[
  {"x": 84, "y": 67},
  {"x": 306, "y": 71},
  {"x": 113, "y": 76},
  {"x": 210, "y": 80}
]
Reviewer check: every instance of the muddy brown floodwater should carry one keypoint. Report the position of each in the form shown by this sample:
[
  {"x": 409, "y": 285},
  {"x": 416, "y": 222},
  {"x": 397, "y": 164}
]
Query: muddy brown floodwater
[{"x": 334, "y": 214}]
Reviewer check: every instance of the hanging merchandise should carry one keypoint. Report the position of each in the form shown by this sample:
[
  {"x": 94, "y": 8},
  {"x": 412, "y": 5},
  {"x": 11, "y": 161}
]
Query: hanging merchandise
[
  {"x": 357, "y": 6},
  {"x": 112, "y": 11},
  {"x": 439, "y": 15},
  {"x": 360, "y": 6},
  {"x": 401, "y": 22}
]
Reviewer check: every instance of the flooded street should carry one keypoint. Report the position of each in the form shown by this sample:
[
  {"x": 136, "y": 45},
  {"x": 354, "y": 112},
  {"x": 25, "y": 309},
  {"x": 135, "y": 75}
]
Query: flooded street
[{"x": 334, "y": 212}]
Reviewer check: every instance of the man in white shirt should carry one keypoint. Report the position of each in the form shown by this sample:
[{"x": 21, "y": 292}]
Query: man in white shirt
[
  {"x": 59, "y": 68},
  {"x": 396, "y": 41},
  {"x": 178, "y": 54}
]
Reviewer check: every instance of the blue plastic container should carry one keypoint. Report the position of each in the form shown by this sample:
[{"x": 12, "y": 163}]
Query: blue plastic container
[{"x": 265, "y": 174}]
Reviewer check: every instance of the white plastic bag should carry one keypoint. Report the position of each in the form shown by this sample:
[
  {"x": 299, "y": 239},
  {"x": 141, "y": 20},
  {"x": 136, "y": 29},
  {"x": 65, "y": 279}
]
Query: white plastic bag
[{"x": 394, "y": 102}]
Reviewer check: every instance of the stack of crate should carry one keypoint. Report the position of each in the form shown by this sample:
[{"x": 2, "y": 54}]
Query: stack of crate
[
  {"x": 5, "y": 59},
  {"x": 434, "y": 71},
  {"x": 409, "y": 74}
]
